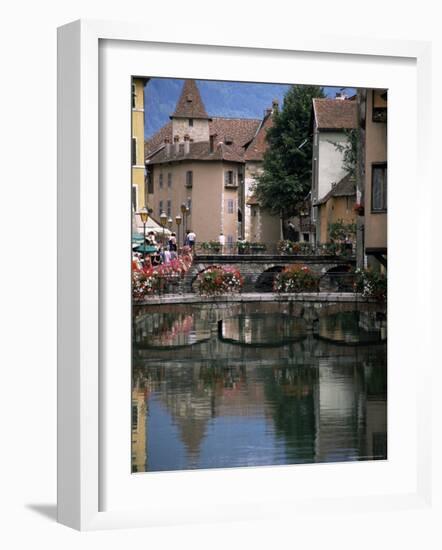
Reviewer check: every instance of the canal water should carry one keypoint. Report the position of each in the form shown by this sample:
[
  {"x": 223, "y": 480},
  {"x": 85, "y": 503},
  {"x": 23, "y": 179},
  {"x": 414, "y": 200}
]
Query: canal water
[{"x": 256, "y": 388}]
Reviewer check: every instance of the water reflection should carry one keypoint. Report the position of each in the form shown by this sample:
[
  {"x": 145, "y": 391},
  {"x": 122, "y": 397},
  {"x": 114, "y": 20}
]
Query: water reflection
[
  {"x": 222, "y": 402},
  {"x": 353, "y": 327},
  {"x": 259, "y": 329}
]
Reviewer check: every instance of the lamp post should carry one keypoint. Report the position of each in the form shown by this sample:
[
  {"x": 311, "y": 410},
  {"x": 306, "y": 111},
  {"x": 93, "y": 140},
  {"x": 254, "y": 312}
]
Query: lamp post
[
  {"x": 178, "y": 223},
  {"x": 169, "y": 225},
  {"x": 144, "y": 215},
  {"x": 163, "y": 221},
  {"x": 183, "y": 212}
]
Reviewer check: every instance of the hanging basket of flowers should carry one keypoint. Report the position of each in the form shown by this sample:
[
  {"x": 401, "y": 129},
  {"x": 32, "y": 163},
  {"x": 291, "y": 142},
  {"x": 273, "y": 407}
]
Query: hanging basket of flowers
[{"x": 359, "y": 208}]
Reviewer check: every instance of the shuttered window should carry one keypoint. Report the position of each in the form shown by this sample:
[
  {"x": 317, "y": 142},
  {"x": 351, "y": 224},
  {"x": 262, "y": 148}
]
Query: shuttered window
[{"x": 379, "y": 188}]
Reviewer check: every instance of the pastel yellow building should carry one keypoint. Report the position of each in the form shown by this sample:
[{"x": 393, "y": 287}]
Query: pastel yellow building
[
  {"x": 139, "y": 198},
  {"x": 337, "y": 205}
]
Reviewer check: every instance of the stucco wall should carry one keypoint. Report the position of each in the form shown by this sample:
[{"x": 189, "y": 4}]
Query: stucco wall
[
  {"x": 138, "y": 133},
  {"x": 375, "y": 151},
  {"x": 198, "y": 132},
  {"x": 209, "y": 198},
  {"x": 263, "y": 226},
  {"x": 337, "y": 208},
  {"x": 329, "y": 163}
]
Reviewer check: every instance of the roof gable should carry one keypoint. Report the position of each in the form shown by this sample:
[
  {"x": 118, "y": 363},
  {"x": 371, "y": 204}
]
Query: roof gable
[
  {"x": 258, "y": 146},
  {"x": 335, "y": 114},
  {"x": 190, "y": 104},
  {"x": 346, "y": 187}
]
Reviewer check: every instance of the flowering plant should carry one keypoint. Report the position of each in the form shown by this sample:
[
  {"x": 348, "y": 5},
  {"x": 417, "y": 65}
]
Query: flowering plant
[
  {"x": 144, "y": 281},
  {"x": 219, "y": 280},
  {"x": 371, "y": 284},
  {"x": 296, "y": 278},
  {"x": 290, "y": 247},
  {"x": 148, "y": 280}
]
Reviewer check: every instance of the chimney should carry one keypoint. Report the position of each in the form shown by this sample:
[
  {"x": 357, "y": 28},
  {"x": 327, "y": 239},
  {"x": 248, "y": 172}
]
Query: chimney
[
  {"x": 167, "y": 146},
  {"x": 176, "y": 142},
  {"x": 186, "y": 144},
  {"x": 340, "y": 95},
  {"x": 212, "y": 143},
  {"x": 275, "y": 106}
]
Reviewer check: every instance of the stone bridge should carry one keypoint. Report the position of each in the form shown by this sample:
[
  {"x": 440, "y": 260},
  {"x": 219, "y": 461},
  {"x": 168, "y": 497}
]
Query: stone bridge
[
  {"x": 212, "y": 311},
  {"x": 259, "y": 270}
]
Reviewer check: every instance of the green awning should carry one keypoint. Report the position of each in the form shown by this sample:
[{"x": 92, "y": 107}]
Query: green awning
[{"x": 145, "y": 249}]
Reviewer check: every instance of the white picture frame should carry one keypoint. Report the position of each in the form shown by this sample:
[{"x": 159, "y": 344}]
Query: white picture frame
[{"x": 84, "y": 393}]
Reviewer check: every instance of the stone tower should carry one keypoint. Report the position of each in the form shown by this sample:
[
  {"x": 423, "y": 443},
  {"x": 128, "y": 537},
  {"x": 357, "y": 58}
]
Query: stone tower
[{"x": 190, "y": 117}]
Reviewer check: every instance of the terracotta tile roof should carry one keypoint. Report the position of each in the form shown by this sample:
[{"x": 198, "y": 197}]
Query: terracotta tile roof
[
  {"x": 240, "y": 130},
  {"x": 334, "y": 114},
  {"x": 251, "y": 201},
  {"x": 258, "y": 146},
  {"x": 157, "y": 140},
  {"x": 199, "y": 150},
  {"x": 346, "y": 187},
  {"x": 190, "y": 104}
]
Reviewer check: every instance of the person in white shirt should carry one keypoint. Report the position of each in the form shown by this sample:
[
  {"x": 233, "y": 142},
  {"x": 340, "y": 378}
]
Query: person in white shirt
[
  {"x": 222, "y": 241},
  {"x": 191, "y": 237}
]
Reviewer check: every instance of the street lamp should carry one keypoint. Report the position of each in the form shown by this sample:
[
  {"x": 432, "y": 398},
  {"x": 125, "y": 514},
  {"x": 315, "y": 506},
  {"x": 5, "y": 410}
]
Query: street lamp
[
  {"x": 163, "y": 221},
  {"x": 169, "y": 223},
  {"x": 178, "y": 223},
  {"x": 183, "y": 212},
  {"x": 144, "y": 215}
]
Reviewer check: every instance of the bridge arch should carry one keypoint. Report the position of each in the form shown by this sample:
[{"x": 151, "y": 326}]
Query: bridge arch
[{"x": 265, "y": 280}]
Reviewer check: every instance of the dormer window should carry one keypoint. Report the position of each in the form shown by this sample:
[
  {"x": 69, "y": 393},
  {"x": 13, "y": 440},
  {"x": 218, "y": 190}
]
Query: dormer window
[{"x": 190, "y": 121}]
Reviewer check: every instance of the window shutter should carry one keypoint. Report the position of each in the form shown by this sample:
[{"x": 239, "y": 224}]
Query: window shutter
[{"x": 134, "y": 151}]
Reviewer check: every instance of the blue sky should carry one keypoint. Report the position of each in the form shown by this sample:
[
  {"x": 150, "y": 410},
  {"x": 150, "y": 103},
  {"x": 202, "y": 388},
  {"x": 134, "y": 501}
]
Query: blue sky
[{"x": 229, "y": 99}]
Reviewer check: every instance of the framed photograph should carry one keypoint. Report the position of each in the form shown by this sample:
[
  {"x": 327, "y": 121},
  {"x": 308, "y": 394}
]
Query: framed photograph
[{"x": 225, "y": 249}]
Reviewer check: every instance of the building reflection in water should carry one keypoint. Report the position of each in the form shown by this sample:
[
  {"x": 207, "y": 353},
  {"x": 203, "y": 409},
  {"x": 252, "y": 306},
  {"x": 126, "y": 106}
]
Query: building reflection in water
[{"x": 255, "y": 390}]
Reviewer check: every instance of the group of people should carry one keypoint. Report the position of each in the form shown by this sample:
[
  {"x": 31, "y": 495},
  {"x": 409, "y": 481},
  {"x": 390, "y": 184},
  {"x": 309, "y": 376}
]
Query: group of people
[{"x": 164, "y": 253}]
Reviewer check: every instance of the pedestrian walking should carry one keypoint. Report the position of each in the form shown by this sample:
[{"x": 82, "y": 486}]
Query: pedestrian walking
[
  {"x": 191, "y": 237},
  {"x": 172, "y": 243}
]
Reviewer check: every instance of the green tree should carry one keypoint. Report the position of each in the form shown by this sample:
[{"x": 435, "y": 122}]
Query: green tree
[{"x": 287, "y": 167}]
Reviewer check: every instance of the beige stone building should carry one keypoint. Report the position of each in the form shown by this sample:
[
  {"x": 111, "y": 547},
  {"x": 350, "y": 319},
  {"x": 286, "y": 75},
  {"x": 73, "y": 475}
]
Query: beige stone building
[
  {"x": 260, "y": 225},
  {"x": 203, "y": 162},
  {"x": 374, "y": 120}
]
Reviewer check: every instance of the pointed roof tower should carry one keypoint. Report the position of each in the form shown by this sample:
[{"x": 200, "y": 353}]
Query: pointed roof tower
[{"x": 190, "y": 104}]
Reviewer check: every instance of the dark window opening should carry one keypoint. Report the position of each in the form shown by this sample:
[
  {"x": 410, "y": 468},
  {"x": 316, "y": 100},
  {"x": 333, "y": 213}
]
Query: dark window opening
[
  {"x": 230, "y": 178},
  {"x": 190, "y": 121},
  {"x": 189, "y": 178},
  {"x": 134, "y": 96},
  {"x": 134, "y": 198},
  {"x": 134, "y": 151},
  {"x": 379, "y": 188}
]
